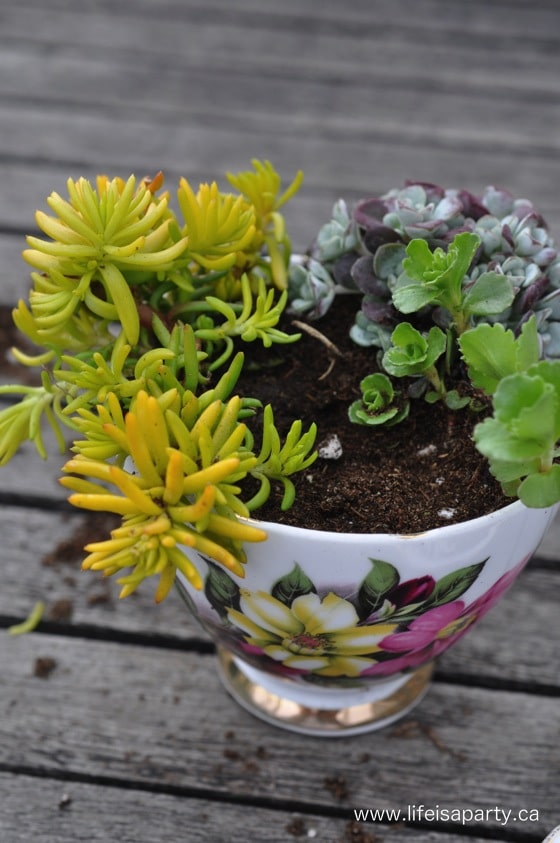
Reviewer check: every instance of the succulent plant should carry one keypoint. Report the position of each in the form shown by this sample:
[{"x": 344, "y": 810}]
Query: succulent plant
[
  {"x": 311, "y": 289},
  {"x": 446, "y": 282},
  {"x": 138, "y": 314},
  {"x": 514, "y": 242},
  {"x": 379, "y": 403},
  {"x": 337, "y": 237}
]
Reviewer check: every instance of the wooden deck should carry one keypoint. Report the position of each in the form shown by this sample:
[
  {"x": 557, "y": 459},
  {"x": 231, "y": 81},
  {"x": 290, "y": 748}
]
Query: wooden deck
[{"x": 113, "y": 724}]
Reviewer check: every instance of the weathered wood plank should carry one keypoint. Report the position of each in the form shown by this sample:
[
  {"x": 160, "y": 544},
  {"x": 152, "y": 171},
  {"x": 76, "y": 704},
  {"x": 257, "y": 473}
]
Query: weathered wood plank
[
  {"x": 358, "y": 58},
  {"x": 304, "y": 116},
  {"x": 472, "y": 118},
  {"x": 299, "y": 112},
  {"x": 159, "y": 718},
  {"x": 429, "y": 17},
  {"x": 66, "y": 812},
  {"x": 73, "y": 69},
  {"x": 510, "y": 644},
  {"x": 14, "y": 273},
  {"x": 325, "y": 116},
  {"x": 549, "y": 548},
  {"x": 28, "y": 474},
  {"x": 41, "y": 561},
  {"x": 300, "y": 127}
]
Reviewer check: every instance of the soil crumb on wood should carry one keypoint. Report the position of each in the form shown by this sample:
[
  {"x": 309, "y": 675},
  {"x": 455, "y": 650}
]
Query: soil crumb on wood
[{"x": 43, "y": 667}]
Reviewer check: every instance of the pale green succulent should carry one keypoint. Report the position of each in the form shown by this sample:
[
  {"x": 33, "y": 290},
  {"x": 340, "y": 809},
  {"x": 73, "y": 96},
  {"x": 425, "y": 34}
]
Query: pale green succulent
[
  {"x": 338, "y": 236},
  {"x": 514, "y": 241},
  {"x": 311, "y": 289}
]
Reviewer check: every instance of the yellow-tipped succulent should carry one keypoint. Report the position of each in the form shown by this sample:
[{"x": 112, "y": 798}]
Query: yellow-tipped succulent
[
  {"x": 170, "y": 499},
  {"x": 217, "y": 225},
  {"x": 175, "y": 487},
  {"x": 262, "y": 188},
  {"x": 134, "y": 312},
  {"x": 97, "y": 234}
]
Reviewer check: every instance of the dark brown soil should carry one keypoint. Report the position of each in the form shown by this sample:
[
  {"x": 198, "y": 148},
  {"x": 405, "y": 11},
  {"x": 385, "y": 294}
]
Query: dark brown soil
[{"x": 420, "y": 474}]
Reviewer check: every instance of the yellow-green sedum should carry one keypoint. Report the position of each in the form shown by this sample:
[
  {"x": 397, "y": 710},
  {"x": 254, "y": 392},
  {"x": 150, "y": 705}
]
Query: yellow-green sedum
[{"x": 137, "y": 315}]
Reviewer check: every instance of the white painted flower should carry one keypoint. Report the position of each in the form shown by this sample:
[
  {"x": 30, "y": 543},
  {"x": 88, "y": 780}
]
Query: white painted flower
[{"x": 319, "y": 635}]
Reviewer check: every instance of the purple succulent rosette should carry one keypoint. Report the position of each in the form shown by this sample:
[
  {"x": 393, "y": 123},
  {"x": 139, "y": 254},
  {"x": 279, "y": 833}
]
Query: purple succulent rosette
[
  {"x": 363, "y": 248},
  {"x": 383, "y": 627}
]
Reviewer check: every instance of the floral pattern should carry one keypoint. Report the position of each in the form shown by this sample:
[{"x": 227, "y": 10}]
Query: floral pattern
[
  {"x": 383, "y": 627},
  {"x": 321, "y": 635}
]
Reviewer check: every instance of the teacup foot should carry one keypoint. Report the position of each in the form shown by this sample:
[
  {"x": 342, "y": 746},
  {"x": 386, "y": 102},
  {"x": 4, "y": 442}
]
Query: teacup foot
[{"x": 326, "y": 712}]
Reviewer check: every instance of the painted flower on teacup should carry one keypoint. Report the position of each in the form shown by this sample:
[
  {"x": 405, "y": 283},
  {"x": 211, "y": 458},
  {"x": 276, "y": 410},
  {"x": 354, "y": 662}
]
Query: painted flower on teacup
[
  {"x": 383, "y": 627},
  {"x": 314, "y": 634}
]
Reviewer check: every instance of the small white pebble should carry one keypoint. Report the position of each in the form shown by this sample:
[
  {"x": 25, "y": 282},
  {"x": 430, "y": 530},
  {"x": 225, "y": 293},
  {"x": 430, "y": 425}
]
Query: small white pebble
[
  {"x": 446, "y": 513},
  {"x": 330, "y": 448},
  {"x": 440, "y": 481},
  {"x": 312, "y": 832},
  {"x": 427, "y": 451}
]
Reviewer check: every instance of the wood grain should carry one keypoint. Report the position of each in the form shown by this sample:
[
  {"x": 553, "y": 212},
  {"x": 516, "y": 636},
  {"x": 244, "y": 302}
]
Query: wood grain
[
  {"x": 62, "y": 812},
  {"x": 131, "y": 737},
  {"x": 120, "y": 713}
]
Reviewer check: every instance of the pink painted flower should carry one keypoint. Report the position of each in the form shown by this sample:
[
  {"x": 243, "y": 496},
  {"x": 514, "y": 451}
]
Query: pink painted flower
[
  {"x": 398, "y": 664},
  {"x": 441, "y": 622},
  {"x": 436, "y": 629},
  {"x": 485, "y": 602}
]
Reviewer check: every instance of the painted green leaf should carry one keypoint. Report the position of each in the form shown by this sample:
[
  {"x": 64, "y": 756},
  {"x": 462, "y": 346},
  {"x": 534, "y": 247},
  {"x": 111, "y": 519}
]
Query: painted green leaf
[
  {"x": 455, "y": 584},
  {"x": 221, "y": 591},
  {"x": 293, "y": 585},
  {"x": 380, "y": 580}
]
